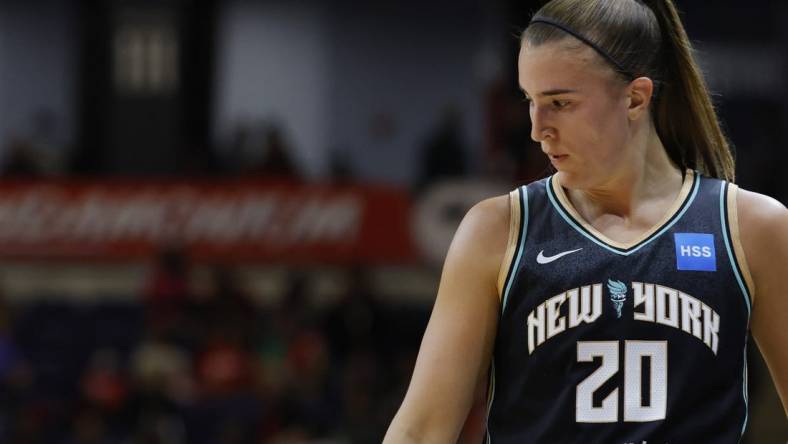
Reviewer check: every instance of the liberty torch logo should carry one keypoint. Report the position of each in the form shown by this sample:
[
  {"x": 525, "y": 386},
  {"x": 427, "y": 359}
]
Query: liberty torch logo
[{"x": 618, "y": 294}]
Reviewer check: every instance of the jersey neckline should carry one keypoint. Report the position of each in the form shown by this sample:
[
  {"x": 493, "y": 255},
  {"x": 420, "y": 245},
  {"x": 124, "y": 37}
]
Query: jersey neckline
[{"x": 560, "y": 201}]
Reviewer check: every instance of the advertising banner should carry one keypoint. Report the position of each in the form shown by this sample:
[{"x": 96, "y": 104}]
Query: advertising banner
[{"x": 222, "y": 220}]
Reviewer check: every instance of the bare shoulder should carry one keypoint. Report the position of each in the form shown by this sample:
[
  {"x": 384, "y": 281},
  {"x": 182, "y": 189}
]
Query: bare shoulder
[
  {"x": 488, "y": 219},
  {"x": 763, "y": 227},
  {"x": 484, "y": 230},
  {"x": 761, "y": 215},
  {"x": 479, "y": 245},
  {"x": 759, "y": 208}
]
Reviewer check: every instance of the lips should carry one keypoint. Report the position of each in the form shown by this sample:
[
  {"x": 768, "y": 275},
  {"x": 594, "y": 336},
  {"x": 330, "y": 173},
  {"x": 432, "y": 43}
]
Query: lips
[{"x": 558, "y": 159}]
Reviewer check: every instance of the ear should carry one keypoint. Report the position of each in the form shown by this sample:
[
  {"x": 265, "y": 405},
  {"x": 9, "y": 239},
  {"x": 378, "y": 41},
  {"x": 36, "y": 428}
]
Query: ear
[{"x": 640, "y": 91}]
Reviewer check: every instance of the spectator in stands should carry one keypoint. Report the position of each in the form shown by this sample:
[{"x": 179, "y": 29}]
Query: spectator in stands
[
  {"x": 167, "y": 290},
  {"x": 15, "y": 371},
  {"x": 21, "y": 160},
  {"x": 161, "y": 368},
  {"x": 89, "y": 427},
  {"x": 356, "y": 322},
  {"x": 223, "y": 366},
  {"x": 443, "y": 154},
  {"x": 311, "y": 402},
  {"x": 363, "y": 389},
  {"x": 16, "y": 374},
  {"x": 221, "y": 302},
  {"x": 340, "y": 167},
  {"x": 260, "y": 148},
  {"x": 277, "y": 161},
  {"x": 104, "y": 383},
  {"x": 225, "y": 396},
  {"x": 44, "y": 140}
]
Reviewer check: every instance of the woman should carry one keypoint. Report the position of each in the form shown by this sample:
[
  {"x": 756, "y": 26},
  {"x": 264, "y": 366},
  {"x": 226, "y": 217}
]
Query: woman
[{"x": 610, "y": 302}]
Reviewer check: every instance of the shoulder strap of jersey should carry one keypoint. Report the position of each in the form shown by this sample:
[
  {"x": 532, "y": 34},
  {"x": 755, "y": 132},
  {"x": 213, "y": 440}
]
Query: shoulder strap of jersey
[
  {"x": 730, "y": 220},
  {"x": 518, "y": 227}
]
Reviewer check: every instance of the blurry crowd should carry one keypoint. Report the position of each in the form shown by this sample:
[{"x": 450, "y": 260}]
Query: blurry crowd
[
  {"x": 212, "y": 364},
  {"x": 260, "y": 150},
  {"x": 263, "y": 148},
  {"x": 180, "y": 365}
]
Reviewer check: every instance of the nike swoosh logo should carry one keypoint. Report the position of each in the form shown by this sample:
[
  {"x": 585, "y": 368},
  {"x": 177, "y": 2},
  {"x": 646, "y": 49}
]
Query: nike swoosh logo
[{"x": 542, "y": 259}]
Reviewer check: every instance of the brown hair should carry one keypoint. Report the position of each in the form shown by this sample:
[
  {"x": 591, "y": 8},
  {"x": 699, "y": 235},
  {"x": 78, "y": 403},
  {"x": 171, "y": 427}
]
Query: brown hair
[{"x": 647, "y": 38}]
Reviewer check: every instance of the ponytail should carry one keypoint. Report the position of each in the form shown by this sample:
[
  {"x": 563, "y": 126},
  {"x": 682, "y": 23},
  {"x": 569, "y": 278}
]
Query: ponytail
[{"x": 684, "y": 115}]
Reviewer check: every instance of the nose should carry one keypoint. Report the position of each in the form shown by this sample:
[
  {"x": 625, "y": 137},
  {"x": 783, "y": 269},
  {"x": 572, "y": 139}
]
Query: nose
[{"x": 540, "y": 130}]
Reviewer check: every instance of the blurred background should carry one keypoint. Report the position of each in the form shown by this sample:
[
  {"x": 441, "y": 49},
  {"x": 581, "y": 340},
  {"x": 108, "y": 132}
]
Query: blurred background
[{"x": 223, "y": 221}]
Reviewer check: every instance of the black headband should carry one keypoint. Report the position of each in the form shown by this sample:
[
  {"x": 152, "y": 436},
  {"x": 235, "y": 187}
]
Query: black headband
[{"x": 588, "y": 42}]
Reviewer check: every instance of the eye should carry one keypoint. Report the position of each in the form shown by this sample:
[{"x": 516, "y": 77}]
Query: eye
[{"x": 559, "y": 104}]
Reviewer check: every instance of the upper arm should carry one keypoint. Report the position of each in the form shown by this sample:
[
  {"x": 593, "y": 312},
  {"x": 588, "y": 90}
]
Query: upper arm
[
  {"x": 764, "y": 236},
  {"x": 457, "y": 345}
]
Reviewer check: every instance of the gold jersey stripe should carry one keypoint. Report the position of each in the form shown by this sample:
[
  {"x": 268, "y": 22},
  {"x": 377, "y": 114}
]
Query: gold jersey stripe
[
  {"x": 741, "y": 259},
  {"x": 511, "y": 245}
]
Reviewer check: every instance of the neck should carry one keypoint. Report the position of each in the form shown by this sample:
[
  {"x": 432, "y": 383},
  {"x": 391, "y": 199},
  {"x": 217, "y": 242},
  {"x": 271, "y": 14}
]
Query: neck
[{"x": 647, "y": 175}]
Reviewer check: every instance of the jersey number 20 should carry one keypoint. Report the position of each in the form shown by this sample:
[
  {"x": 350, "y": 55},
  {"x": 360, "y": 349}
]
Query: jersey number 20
[{"x": 640, "y": 405}]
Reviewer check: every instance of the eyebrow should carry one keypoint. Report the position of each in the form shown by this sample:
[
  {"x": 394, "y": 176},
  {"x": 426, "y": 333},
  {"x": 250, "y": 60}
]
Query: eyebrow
[{"x": 552, "y": 92}]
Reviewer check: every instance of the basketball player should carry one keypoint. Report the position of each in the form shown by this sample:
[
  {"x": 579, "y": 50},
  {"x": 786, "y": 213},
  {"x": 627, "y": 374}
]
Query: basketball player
[{"x": 610, "y": 302}]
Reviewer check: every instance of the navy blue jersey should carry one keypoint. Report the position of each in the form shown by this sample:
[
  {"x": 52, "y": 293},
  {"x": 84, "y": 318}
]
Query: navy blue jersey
[{"x": 604, "y": 342}]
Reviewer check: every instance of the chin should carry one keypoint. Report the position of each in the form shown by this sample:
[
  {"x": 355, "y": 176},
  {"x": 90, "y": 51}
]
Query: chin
[
  {"x": 575, "y": 181},
  {"x": 568, "y": 180}
]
